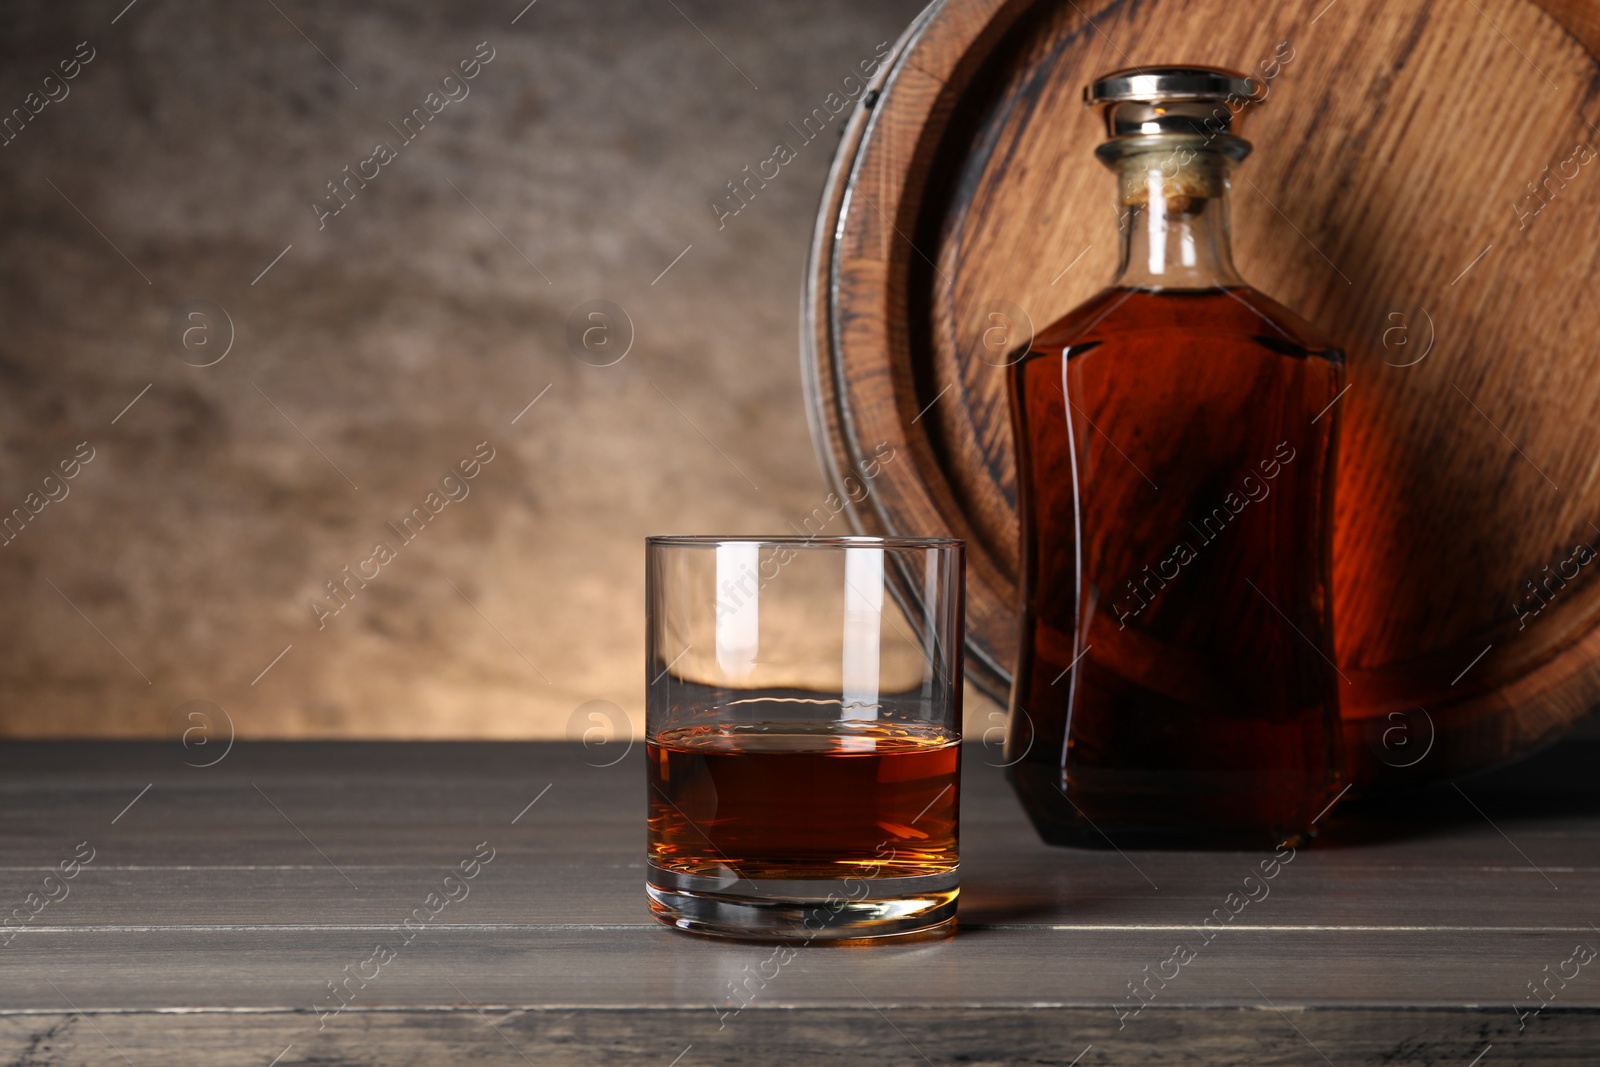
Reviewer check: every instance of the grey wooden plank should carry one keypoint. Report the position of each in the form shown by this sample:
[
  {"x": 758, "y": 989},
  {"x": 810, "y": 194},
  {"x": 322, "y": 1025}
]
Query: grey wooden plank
[
  {"x": 212, "y": 845},
  {"x": 595, "y": 813},
  {"x": 380, "y": 805},
  {"x": 629, "y": 967},
  {"x": 533, "y": 888},
  {"x": 1063, "y": 1037},
  {"x": 209, "y": 924}
]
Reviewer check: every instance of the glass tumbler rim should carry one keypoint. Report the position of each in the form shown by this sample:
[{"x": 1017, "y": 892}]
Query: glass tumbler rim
[{"x": 804, "y": 541}]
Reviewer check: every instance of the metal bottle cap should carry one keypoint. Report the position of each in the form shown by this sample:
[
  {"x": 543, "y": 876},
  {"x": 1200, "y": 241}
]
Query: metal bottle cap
[{"x": 1208, "y": 101}]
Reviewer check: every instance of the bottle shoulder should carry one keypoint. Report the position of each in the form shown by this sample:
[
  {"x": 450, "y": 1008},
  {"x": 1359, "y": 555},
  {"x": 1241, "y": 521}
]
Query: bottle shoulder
[{"x": 1237, "y": 311}]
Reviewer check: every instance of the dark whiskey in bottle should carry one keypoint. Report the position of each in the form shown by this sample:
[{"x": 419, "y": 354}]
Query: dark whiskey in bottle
[{"x": 1176, "y": 683}]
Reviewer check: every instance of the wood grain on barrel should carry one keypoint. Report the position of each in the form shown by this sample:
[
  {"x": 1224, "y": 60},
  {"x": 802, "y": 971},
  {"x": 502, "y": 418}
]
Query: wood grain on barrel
[{"x": 1389, "y": 200}]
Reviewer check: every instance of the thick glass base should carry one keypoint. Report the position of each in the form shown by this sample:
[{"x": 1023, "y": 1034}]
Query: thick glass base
[{"x": 846, "y": 909}]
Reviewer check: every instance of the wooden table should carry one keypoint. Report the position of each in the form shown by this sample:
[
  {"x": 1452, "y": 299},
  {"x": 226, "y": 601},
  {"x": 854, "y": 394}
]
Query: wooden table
[{"x": 221, "y": 902}]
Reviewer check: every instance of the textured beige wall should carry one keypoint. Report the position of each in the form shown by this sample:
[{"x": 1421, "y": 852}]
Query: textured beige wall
[{"x": 381, "y": 348}]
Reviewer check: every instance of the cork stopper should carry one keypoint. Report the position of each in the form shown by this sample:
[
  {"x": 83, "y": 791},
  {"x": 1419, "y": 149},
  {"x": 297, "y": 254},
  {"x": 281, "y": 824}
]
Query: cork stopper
[{"x": 1171, "y": 171}]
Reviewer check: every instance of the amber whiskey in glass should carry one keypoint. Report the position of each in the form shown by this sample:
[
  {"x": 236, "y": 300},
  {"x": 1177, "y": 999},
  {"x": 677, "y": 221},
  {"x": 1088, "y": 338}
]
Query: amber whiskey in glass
[
  {"x": 1176, "y": 683},
  {"x": 795, "y": 801}
]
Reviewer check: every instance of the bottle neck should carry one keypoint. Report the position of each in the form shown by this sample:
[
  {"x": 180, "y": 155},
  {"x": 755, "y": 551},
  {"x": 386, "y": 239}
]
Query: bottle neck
[{"x": 1174, "y": 230}]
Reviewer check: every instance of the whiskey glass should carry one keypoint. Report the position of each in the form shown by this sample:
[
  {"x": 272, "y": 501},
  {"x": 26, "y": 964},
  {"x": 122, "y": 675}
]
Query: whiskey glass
[{"x": 803, "y": 732}]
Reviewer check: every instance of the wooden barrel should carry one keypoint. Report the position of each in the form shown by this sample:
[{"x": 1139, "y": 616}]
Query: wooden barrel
[{"x": 1424, "y": 188}]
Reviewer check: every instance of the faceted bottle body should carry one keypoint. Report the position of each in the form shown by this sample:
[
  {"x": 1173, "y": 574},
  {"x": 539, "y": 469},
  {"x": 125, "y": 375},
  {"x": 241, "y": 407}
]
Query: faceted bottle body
[{"x": 1176, "y": 684}]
